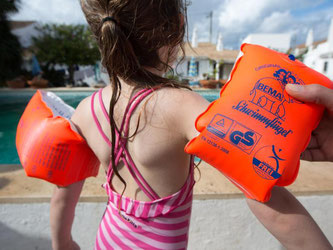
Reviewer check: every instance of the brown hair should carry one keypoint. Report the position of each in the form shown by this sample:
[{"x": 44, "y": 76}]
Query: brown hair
[{"x": 130, "y": 34}]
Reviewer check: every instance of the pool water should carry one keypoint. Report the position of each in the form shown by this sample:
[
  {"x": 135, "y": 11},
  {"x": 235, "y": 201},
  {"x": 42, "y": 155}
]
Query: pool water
[{"x": 12, "y": 105}]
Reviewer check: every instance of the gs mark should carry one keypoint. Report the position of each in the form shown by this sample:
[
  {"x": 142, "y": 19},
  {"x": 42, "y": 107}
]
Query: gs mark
[
  {"x": 244, "y": 138},
  {"x": 237, "y": 137}
]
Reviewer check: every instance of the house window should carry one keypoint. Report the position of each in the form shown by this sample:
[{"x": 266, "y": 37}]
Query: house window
[
  {"x": 196, "y": 68},
  {"x": 325, "y": 66}
]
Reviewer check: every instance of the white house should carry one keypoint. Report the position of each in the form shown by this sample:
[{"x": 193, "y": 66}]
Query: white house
[
  {"x": 320, "y": 55},
  {"x": 277, "y": 41},
  {"x": 24, "y": 31},
  {"x": 212, "y": 60}
]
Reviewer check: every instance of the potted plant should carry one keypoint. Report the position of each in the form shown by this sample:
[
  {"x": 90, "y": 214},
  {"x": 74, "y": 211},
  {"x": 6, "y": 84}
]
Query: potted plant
[{"x": 209, "y": 84}]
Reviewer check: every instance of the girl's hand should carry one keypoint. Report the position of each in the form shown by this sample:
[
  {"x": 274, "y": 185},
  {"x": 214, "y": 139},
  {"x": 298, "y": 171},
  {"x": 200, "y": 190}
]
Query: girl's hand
[
  {"x": 70, "y": 245},
  {"x": 75, "y": 246},
  {"x": 320, "y": 147}
]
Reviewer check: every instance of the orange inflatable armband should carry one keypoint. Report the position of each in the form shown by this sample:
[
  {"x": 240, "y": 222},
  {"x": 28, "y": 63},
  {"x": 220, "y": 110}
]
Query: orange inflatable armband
[
  {"x": 48, "y": 146},
  {"x": 255, "y": 132}
]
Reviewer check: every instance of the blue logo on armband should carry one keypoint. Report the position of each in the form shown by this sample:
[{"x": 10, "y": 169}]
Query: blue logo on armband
[
  {"x": 266, "y": 163},
  {"x": 243, "y": 138},
  {"x": 234, "y": 133},
  {"x": 268, "y": 102},
  {"x": 220, "y": 125},
  {"x": 246, "y": 138}
]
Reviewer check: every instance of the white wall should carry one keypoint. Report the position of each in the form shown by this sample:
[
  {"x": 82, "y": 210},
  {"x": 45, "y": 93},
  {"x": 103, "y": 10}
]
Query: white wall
[
  {"x": 314, "y": 60},
  {"x": 227, "y": 68},
  {"x": 25, "y": 34},
  {"x": 216, "y": 224},
  {"x": 181, "y": 69},
  {"x": 204, "y": 67},
  {"x": 277, "y": 41}
]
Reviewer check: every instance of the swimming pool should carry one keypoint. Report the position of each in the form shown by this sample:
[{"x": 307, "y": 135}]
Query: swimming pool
[{"x": 12, "y": 104}]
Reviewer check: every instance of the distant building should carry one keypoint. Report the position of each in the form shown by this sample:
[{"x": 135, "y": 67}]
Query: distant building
[
  {"x": 302, "y": 49},
  {"x": 24, "y": 31},
  {"x": 209, "y": 60},
  {"x": 277, "y": 41},
  {"x": 319, "y": 55}
]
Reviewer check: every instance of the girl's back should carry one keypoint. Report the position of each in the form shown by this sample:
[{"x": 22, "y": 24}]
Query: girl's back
[{"x": 165, "y": 120}]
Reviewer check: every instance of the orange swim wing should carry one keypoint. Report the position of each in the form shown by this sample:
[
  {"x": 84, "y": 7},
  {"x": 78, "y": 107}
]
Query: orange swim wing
[
  {"x": 255, "y": 132},
  {"x": 48, "y": 145}
]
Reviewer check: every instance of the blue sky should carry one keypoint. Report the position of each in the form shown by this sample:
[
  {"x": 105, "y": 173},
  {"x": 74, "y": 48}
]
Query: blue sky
[{"x": 235, "y": 19}]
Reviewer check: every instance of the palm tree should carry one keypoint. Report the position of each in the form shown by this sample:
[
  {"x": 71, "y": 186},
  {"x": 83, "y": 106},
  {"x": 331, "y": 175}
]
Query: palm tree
[{"x": 10, "y": 48}]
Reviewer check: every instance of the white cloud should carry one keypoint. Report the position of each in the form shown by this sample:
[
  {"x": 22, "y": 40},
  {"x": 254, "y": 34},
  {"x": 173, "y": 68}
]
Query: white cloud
[
  {"x": 235, "y": 13},
  {"x": 234, "y": 18},
  {"x": 277, "y": 22},
  {"x": 64, "y": 11},
  {"x": 240, "y": 15},
  {"x": 238, "y": 18}
]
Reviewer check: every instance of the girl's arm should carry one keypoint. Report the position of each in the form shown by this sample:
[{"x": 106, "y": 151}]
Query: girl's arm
[
  {"x": 285, "y": 217},
  {"x": 64, "y": 199},
  {"x": 62, "y": 210}
]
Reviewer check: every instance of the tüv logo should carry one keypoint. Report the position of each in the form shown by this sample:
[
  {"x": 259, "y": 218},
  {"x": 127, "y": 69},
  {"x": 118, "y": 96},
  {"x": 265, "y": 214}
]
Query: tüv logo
[{"x": 246, "y": 138}]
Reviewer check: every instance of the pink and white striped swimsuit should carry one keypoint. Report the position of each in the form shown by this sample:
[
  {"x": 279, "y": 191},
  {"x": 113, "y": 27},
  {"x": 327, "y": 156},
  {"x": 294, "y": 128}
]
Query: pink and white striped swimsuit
[{"x": 162, "y": 223}]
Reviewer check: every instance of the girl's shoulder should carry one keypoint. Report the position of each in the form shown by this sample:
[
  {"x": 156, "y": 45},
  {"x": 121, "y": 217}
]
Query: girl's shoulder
[
  {"x": 82, "y": 117},
  {"x": 83, "y": 109},
  {"x": 181, "y": 107},
  {"x": 180, "y": 98}
]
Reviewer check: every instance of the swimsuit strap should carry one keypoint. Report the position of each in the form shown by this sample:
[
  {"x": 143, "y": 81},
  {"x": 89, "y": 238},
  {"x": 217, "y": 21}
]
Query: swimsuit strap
[
  {"x": 127, "y": 159},
  {"x": 99, "y": 127},
  {"x": 106, "y": 115},
  {"x": 121, "y": 151},
  {"x": 129, "y": 109}
]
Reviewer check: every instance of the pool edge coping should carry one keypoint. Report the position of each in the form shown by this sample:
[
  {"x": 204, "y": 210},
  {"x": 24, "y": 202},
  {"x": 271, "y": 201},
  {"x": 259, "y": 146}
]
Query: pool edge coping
[{"x": 102, "y": 199}]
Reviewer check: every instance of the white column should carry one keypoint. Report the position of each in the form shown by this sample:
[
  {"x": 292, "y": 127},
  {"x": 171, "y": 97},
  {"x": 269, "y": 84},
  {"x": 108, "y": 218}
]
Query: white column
[
  {"x": 195, "y": 38},
  {"x": 309, "y": 40},
  {"x": 330, "y": 37},
  {"x": 220, "y": 46}
]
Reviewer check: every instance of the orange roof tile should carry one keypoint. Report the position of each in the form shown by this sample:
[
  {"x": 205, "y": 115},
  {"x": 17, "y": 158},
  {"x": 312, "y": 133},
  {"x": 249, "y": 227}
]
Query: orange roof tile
[
  {"x": 20, "y": 24},
  {"x": 315, "y": 44},
  {"x": 208, "y": 50}
]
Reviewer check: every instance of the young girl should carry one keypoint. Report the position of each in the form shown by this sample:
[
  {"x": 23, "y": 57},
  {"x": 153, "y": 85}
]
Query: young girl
[{"x": 138, "y": 128}]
